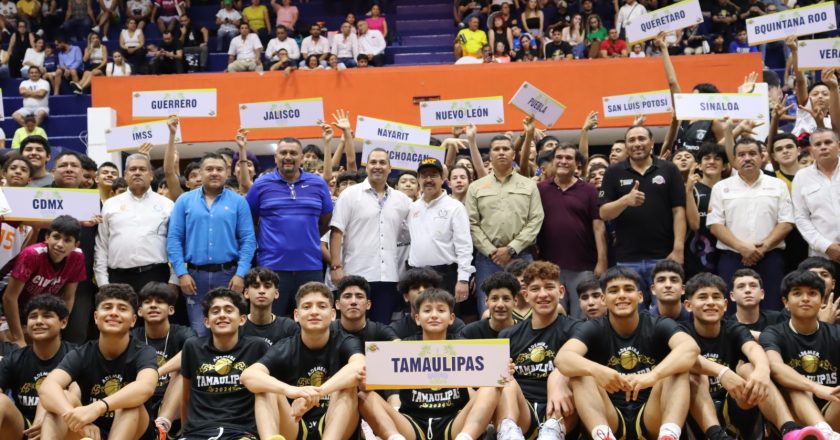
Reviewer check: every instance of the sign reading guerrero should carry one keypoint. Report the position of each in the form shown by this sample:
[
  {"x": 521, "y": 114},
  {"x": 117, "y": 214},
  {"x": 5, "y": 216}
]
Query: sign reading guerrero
[
  {"x": 800, "y": 21},
  {"x": 478, "y": 111},
  {"x": 193, "y": 103},
  {"x": 278, "y": 114},
  {"x": 130, "y": 137},
  {"x": 437, "y": 364},
  {"x": 32, "y": 203},
  {"x": 708, "y": 106},
  {"x": 819, "y": 54},
  {"x": 670, "y": 18},
  {"x": 533, "y": 101},
  {"x": 658, "y": 101}
]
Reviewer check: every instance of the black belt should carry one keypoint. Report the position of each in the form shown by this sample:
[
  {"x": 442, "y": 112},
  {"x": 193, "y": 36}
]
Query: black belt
[
  {"x": 140, "y": 269},
  {"x": 212, "y": 267},
  {"x": 438, "y": 268}
]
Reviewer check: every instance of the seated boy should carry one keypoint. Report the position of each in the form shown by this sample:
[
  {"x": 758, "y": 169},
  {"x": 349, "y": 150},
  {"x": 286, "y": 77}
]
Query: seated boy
[
  {"x": 747, "y": 294},
  {"x": 412, "y": 282},
  {"x": 353, "y": 303},
  {"x": 591, "y": 297},
  {"x": 460, "y": 413},
  {"x": 116, "y": 374},
  {"x": 306, "y": 383},
  {"x": 500, "y": 288},
  {"x": 21, "y": 371},
  {"x": 261, "y": 290},
  {"x": 52, "y": 268}
]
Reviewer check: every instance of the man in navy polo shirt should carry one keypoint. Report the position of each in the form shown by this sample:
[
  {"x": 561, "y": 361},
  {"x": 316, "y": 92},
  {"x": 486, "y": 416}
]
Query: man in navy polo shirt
[
  {"x": 294, "y": 209},
  {"x": 645, "y": 196}
]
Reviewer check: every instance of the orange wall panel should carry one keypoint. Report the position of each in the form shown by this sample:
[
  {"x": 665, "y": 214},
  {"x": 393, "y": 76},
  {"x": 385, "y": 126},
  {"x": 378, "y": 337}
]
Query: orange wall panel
[{"x": 388, "y": 93}]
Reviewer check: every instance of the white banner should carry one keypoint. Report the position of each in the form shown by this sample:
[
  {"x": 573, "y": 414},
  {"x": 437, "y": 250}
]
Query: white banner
[
  {"x": 372, "y": 128},
  {"x": 670, "y": 18},
  {"x": 657, "y": 101},
  {"x": 437, "y": 364},
  {"x": 131, "y": 137},
  {"x": 33, "y": 203},
  {"x": 708, "y": 106},
  {"x": 534, "y": 102},
  {"x": 404, "y": 156},
  {"x": 279, "y": 114},
  {"x": 195, "y": 103},
  {"x": 800, "y": 21},
  {"x": 454, "y": 112},
  {"x": 819, "y": 54}
]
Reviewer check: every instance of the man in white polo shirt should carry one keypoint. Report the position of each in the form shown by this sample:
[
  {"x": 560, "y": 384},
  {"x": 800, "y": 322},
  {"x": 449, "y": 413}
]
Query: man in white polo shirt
[
  {"x": 372, "y": 44},
  {"x": 440, "y": 232},
  {"x": 751, "y": 213},
  {"x": 244, "y": 52},
  {"x": 36, "y": 98}
]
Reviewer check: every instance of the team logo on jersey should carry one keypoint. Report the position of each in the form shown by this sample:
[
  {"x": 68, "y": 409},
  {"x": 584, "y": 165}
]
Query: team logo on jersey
[
  {"x": 110, "y": 385},
  {"x": 223, "y": 366},
  {"x": 160, "y": 358},
  {"x": 629, "y": 359},
  {"x": 809, "y": 361},
  {"x": 314, "y": 377}
]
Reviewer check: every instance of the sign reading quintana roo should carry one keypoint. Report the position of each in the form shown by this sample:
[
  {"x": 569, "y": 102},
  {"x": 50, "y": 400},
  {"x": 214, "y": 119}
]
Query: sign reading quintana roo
[
  {"x": 800, "y": 21},
  {"x": 658, "y": 101},
  {"x": 710, "y": 106},
  {"x": 372, "y": 128},
  {"x": 437, "y": 364},
  {"x": 533, "y": 101},
  {"x": 130, "y": 137},
  {"x": 403, "y": 156},
  {"x": 478, "y": 111},
  {"x": 670, "y": 18},
  {"x": 194, "y": 103},
  {"x": 32, "y": 203},
  {"x": 819, "y": 54},
  {"x": 279, "y": 114}
]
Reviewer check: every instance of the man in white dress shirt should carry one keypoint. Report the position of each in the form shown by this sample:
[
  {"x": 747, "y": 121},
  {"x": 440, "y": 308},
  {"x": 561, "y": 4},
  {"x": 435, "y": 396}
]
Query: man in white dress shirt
[
  {"x": 244, "y": 52},
  {"x": 816, "y": 197},
  {"x": 314, "y": 44},
  {"x": 367, "y": 221},
  {"x": 440, "y": 232},
  {"x": 272, "y": 50},
  {"x": 131, "y": 242},
  {"x": 372, "y": 44}
]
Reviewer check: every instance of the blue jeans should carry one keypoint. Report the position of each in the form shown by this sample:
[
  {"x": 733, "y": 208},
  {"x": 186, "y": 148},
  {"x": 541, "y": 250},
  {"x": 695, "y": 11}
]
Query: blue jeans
[
  {"x": 645, "y": 270},
  {"x": 348, "y": 62},
  {"x": 223, "y": 38},
  {"x": 204, "y": 282},
  {"x": 484, "y": 268},
  {"x": 77, "y": 28},
  {"x": 290, "y": 282}
]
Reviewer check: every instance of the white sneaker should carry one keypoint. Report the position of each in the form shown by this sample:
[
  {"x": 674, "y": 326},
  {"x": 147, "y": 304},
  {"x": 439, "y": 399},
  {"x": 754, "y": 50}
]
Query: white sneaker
[
  {"x": 105, "y": 39},
  {"x": 95, "y": 29},
  {"x": 509, "y": 430},
  {"x": 551, "y": 430}
]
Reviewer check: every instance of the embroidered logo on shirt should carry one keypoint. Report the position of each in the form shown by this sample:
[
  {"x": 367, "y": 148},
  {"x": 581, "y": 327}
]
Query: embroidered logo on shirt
[
  {"x": 659, "y": 180},
  {"x": 626, "y": 182}
]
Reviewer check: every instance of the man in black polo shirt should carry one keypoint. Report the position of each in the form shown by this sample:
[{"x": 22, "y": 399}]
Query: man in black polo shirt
[{"x": 645, "y": 198}]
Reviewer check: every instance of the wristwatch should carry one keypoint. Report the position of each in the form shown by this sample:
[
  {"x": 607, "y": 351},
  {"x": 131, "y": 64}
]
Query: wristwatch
[{"x": 512, "y": 251}]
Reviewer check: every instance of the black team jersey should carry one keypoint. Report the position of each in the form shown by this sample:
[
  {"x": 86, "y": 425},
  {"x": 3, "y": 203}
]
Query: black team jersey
[
  {"x": 373, "y": 331},
  {"x": 281, "y": 327},
  {"x": 165, "y": 348},
  {"x": 725, "y": 349},
  {"x": 425, "y": 403},
  {"x": 21, "y": 374}
]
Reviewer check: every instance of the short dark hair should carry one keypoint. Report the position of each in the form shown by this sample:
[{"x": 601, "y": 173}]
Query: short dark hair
[
  {"x": 516, "y": 266},
  {"x": 313, "y": 287},
  {"x": 500, "y": 137},
  {"x": 802, "y": 278},
  {"x": 120, "y": 183},
  {"x": 226, "y": 151},
  {"x": 352, "y": 176},
  {"x": 192, "y": 166},
  {"x": 362, "y": 57},
  {"x": 211, "y": 156},
  {"x": 747, "y": 272},
  {"x": 745, "y": 141},
  {"x": 313, "y": 149},
  {"x": 704, "y": 279},
  {"x": 712, "y": 149},
  {"x": 108, "y": 165},
  {"x": 419, "y": 276},
  {"x": 36, "y": 139},
  {"x": 88, "y": 164},
  {"x": 67, "y": 226},
  {"x": 264, "y": 274},
  {"x": 353, "y": 281},
  {"x": 435, "y": 295},
  {"x": 123, "y": 292},
  {"x": 546, "y": 140},
  {"x": 617, "y": 272},
  {"x": 706, "y": 88},
  {"x": 47, "y": 303},
  {"x": 633, "y": 127},
  {"x": 668, "y": 266},
  {"x": 588, "y": 281},
  {"x": 155, "y": 289},
  {"x": 782, "y": 136},
  {"x": 66, "y": 153},
  {"x": 235, "y": 298},
  {"x": 546, "y": 156},
  {"x": 501, "y": 280},
  {"x": 15, "y": 156},
  {"x": 817, "y": 263},
  {"x": 291, "y": 140}
]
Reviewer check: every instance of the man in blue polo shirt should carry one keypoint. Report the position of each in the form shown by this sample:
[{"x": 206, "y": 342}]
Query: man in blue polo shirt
[
  {"x": 211, "y": 238},
  {"x": 294, "y": 209}
]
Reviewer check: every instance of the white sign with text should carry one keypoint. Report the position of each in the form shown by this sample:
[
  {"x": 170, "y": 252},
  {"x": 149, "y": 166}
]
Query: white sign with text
[
  {"x": 193, "y": 103},
  {"x": 534, "y": 102},
  {"x": 131, "y": 137}
]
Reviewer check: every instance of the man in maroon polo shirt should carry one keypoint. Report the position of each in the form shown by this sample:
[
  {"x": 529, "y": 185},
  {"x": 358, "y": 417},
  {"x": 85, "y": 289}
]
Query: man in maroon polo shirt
[{"x": 572, "y": 234}]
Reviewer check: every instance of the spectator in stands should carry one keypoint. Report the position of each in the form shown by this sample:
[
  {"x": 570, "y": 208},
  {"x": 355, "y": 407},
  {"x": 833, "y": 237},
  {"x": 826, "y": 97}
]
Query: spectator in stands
[
  {"x": 814, "y": 101},
  {"x": 724, "y": 17},
  {"x": 740, "y": 44},
  {"x": 533, "y": 20},
  {"x": 614, "y": 47},
  {"x": 372, "y": 44},
  {"x": 165, "y": 14},
  {"x": 557, "y": 49},
  {"x": 245, "y": 51},
  {"x": 500, "y": 55},
  {"x": 140, "y": 11},
  {"x": 78, "y": 19},
  {"x": 315, "y": 44},
  {"x": 287, "y": 14},
  {"x": 351, "y": 18},
  {"x": 333, "y": 64},
  {"x": 376, "y": 21},
  {"x": 109, "y": 12},
  {"x": 193, "y": 39},
  {"x": 19, "y": 42},
  {"x": 4, "y": 64},
  {"x": 256, "y": 15},
  {"x": 345, "y": 46},
  {"x": 499, "y": 32},
  {"x": 470, "y": 40},
  {"x": 170, "y": 58},
  {"x": 228, "y": 20},
  {"x": 8, "y": 16},
  {"x": 628, "y": 11},
  {"x": 95, "y": 58},
  {"x": 575, "y": 35},
  {"x": 362, "y": 60},
  {"x": 34, "y": 57},
  {"x": 467, "y": 9},
  {"x": 596, "y": 33},
  {"x": 281, "y": 43},
  {"x": 28, "y": 13},
  {"x": 528, "y": 49},
  {"x": 69, "y": 63},
  {"x": 133, "y": 45},
  {"x": 36, "y": 94},
  {"x": 30, "y": 128},
  {"x": 117, "y": 67},
  {"x": 693, "y": 42}
]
